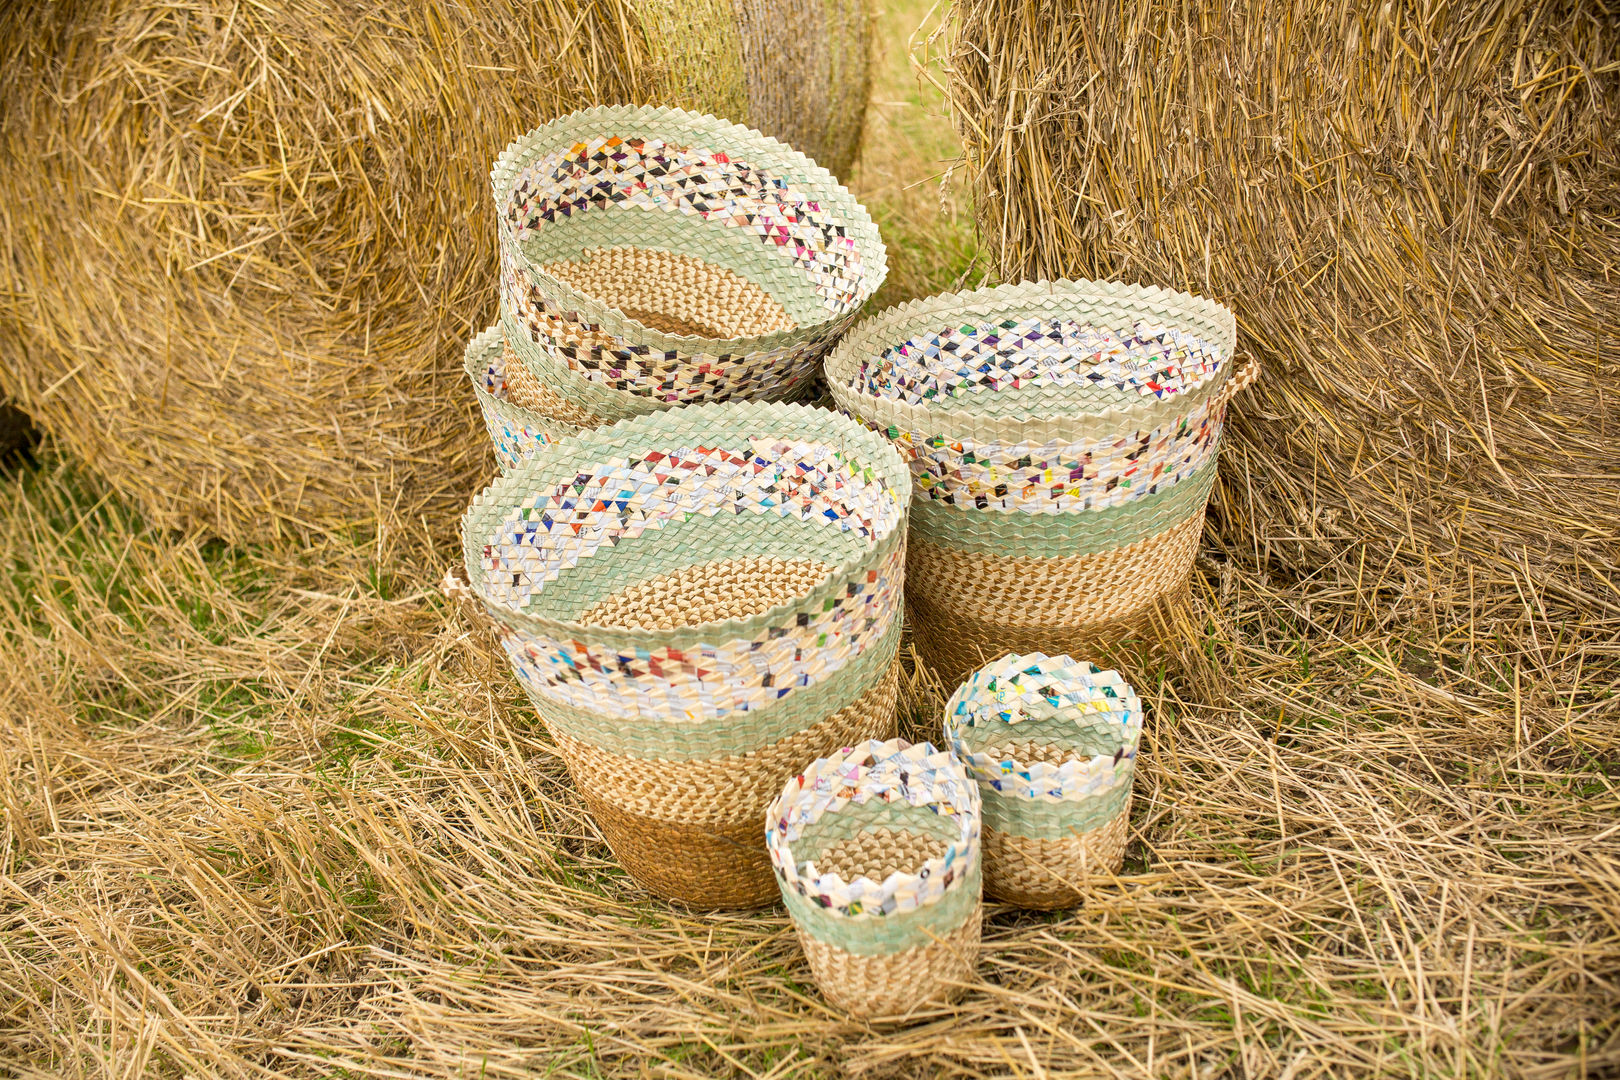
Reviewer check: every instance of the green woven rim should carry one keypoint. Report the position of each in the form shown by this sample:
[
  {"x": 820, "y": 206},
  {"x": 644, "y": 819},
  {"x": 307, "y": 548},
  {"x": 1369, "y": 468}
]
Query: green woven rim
[
  {"x": 672, "y": 232},
  {"x": 1086, "y": 532},
  {"x": 481, "y": 350},
  {"x": 608, "y": 402},
  {"x": 881, "y": 936},
  {"x": 688, "y": 426},
  {"x": 1051, "y": 820},
  {"x": 981, "y": 416}
]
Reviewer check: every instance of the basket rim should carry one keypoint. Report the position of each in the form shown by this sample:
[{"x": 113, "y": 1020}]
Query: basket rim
[
  {"x": 684, "y": 423},
  {"x": 967, "y": 711},
  {"x": 777, "y": 155},
  {"x": 836, "y": 767},
  {"x": 894, "y": 324}
]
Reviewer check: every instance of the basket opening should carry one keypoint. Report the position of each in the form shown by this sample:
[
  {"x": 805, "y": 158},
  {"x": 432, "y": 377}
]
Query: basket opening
[
  {"x": 1041, "y": 362},
  {"x": 783, "y": 237},
  {"x": 599, "y": 531},
  {"x": 509, "y": 379},
  {"x": 674, "y": 293},
  {"x": 708, "y": 592}
]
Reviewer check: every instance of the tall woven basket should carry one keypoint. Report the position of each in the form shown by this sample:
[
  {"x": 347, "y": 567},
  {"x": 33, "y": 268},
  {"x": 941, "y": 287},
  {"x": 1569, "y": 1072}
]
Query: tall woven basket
[
  {"x": 515, "y": 430},
  {"x": 877, "y": 850},
  {"x": 1063, "y": 436},
  {"x": 698, "y": 602},
  {"x": 652, "y": 257},
  {"x": 1052, "y": 744}
]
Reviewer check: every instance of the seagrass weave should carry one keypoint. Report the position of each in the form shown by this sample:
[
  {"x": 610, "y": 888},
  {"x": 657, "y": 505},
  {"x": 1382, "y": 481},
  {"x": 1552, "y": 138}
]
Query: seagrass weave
[
  {"x": 1051, "y": 743},
  {"x": 652, "y": 257},
  {"x": 1063, "y": 437},
  {"x": 697, "y": 602},
  {"x": 876, "y": 849}
]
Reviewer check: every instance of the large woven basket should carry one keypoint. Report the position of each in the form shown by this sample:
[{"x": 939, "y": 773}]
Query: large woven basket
[
  {"x": 515, "y": 430},
  {"x": 1063, "y": 436},
  {"x": 653, "y": 257},
  {"x": 877, "y": 850},
  {"x": 698, "y": 602},
  {"x": 1052, "y": 744}
]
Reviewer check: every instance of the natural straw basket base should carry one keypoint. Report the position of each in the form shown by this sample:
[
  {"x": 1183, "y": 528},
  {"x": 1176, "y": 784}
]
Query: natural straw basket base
[
  {"x": 1031, "y": 872},
  {"x": 873, "y": 987},
  {"x": 969, "y": 608},
  {"x": 525, "y": 390},
  {"x": 690, "y": 830},
  {"x": 674, "y": 293}
]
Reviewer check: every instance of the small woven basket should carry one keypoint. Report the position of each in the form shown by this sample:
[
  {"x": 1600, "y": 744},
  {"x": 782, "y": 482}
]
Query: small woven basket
[
  {"x": 697, "y": 602},
  {"x": 652, "y": 257},
  {"x": 877, "y": 852},
  {"x": 1052, "y": 744},
  {"x": 516, "y": 431},
  {"x": 1063, "y": 436}
]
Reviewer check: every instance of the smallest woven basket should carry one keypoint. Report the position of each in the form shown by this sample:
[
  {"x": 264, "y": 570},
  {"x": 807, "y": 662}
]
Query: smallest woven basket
[
  {"x": 877, "y": 852},
  {"x": 1052, "y": 743}
]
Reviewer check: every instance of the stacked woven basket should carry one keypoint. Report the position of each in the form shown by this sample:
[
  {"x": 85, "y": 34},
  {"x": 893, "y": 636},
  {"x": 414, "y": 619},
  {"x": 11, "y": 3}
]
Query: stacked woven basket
[{"x": 700, "y": 585}]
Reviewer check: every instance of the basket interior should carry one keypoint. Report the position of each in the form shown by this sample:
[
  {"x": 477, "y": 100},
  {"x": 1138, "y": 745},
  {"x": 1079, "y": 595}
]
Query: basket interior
[
  {"x": 662, "y": 536},
  {"x": 875, "y": 839},
  {"x": 674, "y": 294},
  {"x": 787, "y": 240},
  {"x": 1108, "y": 357}
]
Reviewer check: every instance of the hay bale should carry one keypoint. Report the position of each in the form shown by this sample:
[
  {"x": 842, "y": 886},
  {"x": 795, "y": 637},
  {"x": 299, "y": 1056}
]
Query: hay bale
[
  {"x": 248, "y": 242},
  {"x": 1412, "y": 208}
]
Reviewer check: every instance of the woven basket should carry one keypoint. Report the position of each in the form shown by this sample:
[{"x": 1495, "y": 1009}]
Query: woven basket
[
  {"x": 697, "y": 602},
  {"x": 877, "y": 851},
  {"x": 516, "y": 431},
  {"x": 1052, "y": 744},
  {"x": 653, "y": 257},
  {"x": 1063, "y": 436}
]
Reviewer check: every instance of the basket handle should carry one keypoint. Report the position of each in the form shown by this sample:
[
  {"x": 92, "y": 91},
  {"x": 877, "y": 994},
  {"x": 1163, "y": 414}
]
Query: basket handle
[{"x": 1244, "y": 379}]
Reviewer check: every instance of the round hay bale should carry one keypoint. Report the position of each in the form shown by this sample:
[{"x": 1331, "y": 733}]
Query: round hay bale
[
  {"x": 249, "y": 242},
  {"x": 1414, "y": 211}
]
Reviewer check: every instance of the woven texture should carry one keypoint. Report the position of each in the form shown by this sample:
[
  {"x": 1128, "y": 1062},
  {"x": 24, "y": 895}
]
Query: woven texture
[
  {"x": 1051, "y": 743},
  {"x": 1063, "y": 437},
  {"x": 652, "y": 257},
  {"x": 876, "y": 849},
  {"x": 261, "y": 348},
  {"x": 517, "y": 425},
  {"x": 894, "y": 984},
  {"x": 683, "y": 674},
  {"x": 1042, "y": 873},
  {"x": 689, "y": 830}
]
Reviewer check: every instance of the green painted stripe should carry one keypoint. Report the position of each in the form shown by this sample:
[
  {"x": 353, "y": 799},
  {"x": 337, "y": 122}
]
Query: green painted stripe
[{"x": 1050, "y": 820}]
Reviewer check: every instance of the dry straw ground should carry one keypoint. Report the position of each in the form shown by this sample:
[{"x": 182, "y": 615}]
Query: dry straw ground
[
  {"x": 247, "y": 241},
  {"x": 276, "y": 811}
]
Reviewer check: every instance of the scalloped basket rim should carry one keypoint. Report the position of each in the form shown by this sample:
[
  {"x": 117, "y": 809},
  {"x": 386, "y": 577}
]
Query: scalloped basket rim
[{"x": 900, "y": 315}]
